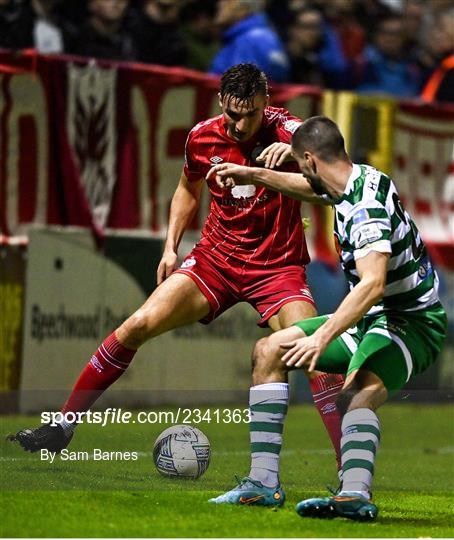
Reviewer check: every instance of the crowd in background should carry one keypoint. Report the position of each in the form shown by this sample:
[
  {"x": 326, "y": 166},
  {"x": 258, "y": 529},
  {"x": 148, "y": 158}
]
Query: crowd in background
[{"x": 403, "y": 48}]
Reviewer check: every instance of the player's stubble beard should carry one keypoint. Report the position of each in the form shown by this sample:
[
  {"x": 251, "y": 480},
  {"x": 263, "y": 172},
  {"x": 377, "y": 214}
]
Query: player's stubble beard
[{"x": 315, "y": 181}]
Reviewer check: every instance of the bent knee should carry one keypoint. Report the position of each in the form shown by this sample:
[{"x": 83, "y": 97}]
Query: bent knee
[
  {"x": 137, "y": 327},
  {"x": 266, "y": 357},
  {"x": 265, "y": 350}
]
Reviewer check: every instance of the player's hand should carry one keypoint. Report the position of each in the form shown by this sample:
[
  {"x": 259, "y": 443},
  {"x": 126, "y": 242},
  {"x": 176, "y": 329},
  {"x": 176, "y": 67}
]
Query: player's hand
[
  {"x": 229, "y": 175},
  {"x": 303, "y": 352},
  {"x": 166, "y": 266},
  {"x": 275, "y": 155}
]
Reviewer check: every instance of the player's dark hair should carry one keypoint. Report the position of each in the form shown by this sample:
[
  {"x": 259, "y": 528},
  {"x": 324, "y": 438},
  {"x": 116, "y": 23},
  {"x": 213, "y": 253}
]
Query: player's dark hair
[
  {"x": 320, "y": 136},
  {"x": 242, "y": 83}
]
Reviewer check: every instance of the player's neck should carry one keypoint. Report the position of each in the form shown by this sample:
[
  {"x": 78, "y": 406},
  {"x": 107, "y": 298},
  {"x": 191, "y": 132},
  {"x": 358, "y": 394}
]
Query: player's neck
[{"x": 336, "y": 176}]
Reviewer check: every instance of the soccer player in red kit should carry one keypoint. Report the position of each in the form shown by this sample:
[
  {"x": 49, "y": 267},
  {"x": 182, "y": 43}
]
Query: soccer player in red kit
[{"x": 252, "y": 249}]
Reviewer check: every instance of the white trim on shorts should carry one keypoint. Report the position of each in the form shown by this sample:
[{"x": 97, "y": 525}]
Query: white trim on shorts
[
  {"x": 303, "y": 297},
  {"x": 398, "y": 341},
  {"x": 349, "y": 342}
]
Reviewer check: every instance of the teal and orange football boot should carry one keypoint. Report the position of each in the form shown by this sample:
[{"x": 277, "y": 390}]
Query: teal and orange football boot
[
  {"x": 350, "y": 505},
  {"x": 251, "y": 492}
]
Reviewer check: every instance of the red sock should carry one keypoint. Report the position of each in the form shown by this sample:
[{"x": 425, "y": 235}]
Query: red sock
[
  {"x": 107, "y": 364},
  {"x": 324, "y": 389}
]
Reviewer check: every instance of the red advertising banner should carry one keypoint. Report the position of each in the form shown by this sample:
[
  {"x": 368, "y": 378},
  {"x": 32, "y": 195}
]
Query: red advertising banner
[
  {"x": 423, "y": 168},
  {"x": 100, "y": 144}
]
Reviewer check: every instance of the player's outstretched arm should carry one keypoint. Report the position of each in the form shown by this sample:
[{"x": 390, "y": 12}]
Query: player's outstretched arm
[
  {"x": 291, "y": 184},
  {"x": 372, "y": 271},
  {"x": 184, "y": 205}
]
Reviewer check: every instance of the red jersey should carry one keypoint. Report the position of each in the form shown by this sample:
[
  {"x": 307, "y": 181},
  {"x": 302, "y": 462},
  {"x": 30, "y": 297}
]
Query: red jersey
[{"x": 247, "y": 225}]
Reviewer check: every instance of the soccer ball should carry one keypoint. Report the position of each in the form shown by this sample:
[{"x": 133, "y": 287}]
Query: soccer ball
[{"x": 182, "y": 451}]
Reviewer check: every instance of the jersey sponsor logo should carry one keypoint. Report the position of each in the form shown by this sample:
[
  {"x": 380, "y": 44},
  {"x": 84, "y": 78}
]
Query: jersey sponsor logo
[
  {"x": 189, "y": 262},
  {"x": 292, "y": 125},
  {"x": 216, "y": 159},
  {"x": 366, "y": 234},
  {"x": 243, "y": 203},
  {"x": 247, "y": 191}
]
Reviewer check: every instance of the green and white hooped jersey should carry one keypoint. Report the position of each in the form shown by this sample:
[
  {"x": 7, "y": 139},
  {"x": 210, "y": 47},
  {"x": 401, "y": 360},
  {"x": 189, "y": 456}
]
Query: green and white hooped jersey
[{"x": 369, "y": 217}]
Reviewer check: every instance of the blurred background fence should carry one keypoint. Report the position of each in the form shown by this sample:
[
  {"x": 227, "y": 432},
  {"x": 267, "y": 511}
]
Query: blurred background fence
[{"x": 90, "y": 155}]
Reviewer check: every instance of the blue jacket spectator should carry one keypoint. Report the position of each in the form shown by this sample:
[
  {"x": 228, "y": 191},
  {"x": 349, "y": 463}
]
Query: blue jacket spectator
[
  {"x": 315, "y": 51},
  {"x": 387, "y": 76},
  {"x": 384, "y": 67},
  {"x": 248, "y": 37}
]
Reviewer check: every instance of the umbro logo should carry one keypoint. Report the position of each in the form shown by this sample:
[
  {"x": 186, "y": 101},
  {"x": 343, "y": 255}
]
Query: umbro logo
[
  {"x": 216, "y": 160},
  {"x": 96, "y": 364}
]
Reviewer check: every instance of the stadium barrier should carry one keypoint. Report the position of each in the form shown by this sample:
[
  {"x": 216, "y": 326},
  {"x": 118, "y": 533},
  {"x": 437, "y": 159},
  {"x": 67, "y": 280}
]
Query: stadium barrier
[
  {"x": 100, "y": 145},
  {"x": 74, "y": 296}
]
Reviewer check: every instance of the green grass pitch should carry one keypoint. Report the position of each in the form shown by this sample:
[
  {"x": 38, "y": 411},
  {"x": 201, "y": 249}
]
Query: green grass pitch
[{"x": 413, "y": 485}]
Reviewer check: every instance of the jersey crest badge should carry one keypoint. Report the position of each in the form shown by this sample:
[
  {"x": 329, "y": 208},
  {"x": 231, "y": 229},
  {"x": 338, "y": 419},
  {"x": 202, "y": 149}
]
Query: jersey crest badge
[
  {"x": 188, "y": 262},
  {"x": 292, "y": 125},
  {"x": 216, "y": 159}
]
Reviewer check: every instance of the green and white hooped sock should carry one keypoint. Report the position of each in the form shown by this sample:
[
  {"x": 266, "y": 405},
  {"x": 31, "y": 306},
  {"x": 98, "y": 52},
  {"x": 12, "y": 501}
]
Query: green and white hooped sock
[
  {"x": 359, "y": 444},
  {"x": 268, "y": 407}
]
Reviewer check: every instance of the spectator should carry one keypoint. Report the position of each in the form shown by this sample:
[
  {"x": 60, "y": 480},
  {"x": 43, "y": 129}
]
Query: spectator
[
  {"x": 157, "y": 33},
  {"x": 412, "y": 17},
  {"x": 368, "y": 12},
  {"x": 30, "y": 24},
  {"x": 200, "y": 33},
  {"x": 314, "y": 50},
  {"x": 352, "y": 37},
  {"x": 248, "y": 37},
  {"x": 433, "y": 47},
  {"x": 440, "y": 86},
  {"x": 384, "y": 67},
  {"x": 282, "y": 14},
  {"x": 104, "y": 34}
]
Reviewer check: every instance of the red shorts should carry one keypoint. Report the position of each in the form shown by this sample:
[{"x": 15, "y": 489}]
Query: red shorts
[{"x": 265, "y": 290}]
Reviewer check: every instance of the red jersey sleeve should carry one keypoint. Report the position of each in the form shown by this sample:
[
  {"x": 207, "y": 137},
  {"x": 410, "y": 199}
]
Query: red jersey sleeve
[
  {"x": 286, "y": 126},
  {"x": 192, "y": 167}
]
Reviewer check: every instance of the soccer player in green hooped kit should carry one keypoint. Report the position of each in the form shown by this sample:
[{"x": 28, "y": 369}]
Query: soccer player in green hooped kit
[{"x": 390, "y": 327}]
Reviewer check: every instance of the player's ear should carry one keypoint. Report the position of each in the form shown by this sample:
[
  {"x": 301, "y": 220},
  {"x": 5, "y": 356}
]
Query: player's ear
[
  {"x": 220, "y": 99},
  {"x": 267, "y": 100},
  {"x": 309, "y": 159}
]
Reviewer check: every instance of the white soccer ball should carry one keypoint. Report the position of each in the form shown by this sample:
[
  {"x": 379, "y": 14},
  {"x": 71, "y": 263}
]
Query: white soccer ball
[{"x": 182, "y": 452}]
